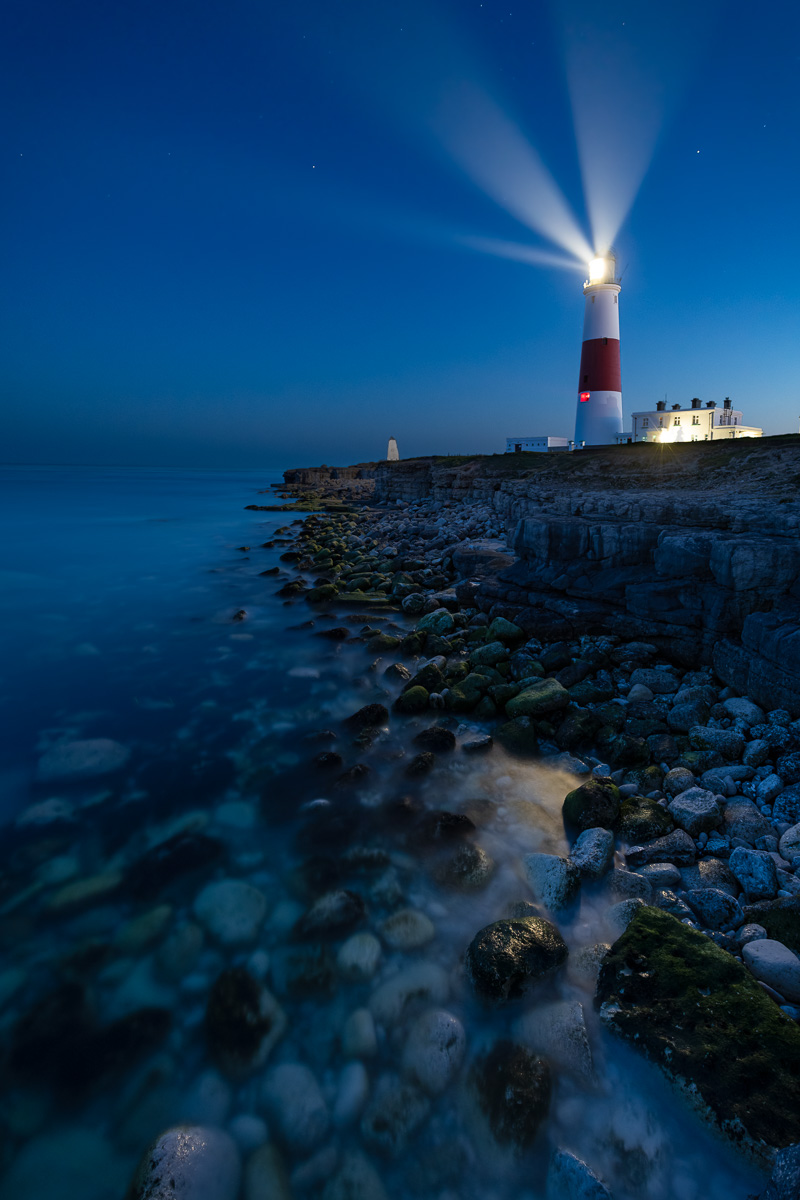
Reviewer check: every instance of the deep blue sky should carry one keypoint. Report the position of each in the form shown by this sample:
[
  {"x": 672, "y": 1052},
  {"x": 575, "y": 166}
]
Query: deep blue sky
[{"x": 229, "y": 232}]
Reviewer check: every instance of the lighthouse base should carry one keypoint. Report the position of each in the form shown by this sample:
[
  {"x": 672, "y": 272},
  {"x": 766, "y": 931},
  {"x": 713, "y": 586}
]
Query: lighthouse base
[{"x": 598, "y": 419}]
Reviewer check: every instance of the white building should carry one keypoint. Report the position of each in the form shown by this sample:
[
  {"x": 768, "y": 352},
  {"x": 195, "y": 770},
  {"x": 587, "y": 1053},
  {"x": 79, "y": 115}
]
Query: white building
[
  {"x": 693, "y": 424},
  {"x": 523, "y": 445}
]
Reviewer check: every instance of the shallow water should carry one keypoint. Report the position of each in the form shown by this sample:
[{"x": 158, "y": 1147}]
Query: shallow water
[{"x": 119, "y": 589}]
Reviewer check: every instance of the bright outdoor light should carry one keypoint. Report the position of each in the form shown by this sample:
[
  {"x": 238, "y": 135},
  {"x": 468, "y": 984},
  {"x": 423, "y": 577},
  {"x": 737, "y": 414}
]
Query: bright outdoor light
[{"x": 597, "y": 270}]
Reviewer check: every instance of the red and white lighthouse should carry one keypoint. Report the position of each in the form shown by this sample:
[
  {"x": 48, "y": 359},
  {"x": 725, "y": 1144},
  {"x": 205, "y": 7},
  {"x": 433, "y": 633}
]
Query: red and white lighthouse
[{"x": 599, "y": 416}]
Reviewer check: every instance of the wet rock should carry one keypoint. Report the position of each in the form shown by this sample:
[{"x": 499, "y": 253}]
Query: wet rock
[
  {"x": 243, "y": 1023},
  {"x": 468, "y": 869},
  {"x": 660, "y": 683},
  {"x": 627, "y": 885},
  {"x": 407, "y": 929},
  {"x": 396, "y": 1110},
  {"x": 620, "y": 915},
  {"x": 709, "y": 873},
  {"x": 774, "y": 964},
  {"x": 81, "y": 760},
  {"x": 756, "y": 753},
  {"x": 504, "y": 958},
  {"x": 265, "y": 1175},
  {"x": 434, "y": 1050},
  {"x": 742, "y": 709},
  {"x": 558, "y": 1030},
  {"x": 593, "y": 852},
  {"x": 542, "y": 698},
  {"x": 696, "y": 811},
  {"x": 677, "y": 847},
  {"x": 788, "y": 767},
  {"x": 231, "y": 911},
  {"x": 167, "y": 862},
  {"x": 478, "y": 745},
  {"x": 512, "y": 1087},
  {"x": 784, "y": 1182},
  {"x": 667, "y": 901},
  {"x": 663, "y": 875},
  {"x": 554, "y": 880},
  {"x": 191, "y": 1161},
  {"x": 789, "y": 844},
  {"x": 641, "y": 820},
  {"x": 294, "y": 1102},
  {"x": 439, "y": 622},
  {"x": 583, "y": 967},
  {"x": 678, "y": 780},
  {"x": 519, "y": 737},
  {"x": 713, "y": 908},
  {"x": 249, "y": 1132},
  {"x": 440, "y": 827},
  {"x": 359, "y": 956},
  {"x": 595, "y": 803},
  {"x": 358, "y": 1039},
  {"x": 415, "y": 700},
  {"x": 356, "y": 1179},
  {"x": 756, "y": 872},
  {"x": 726, "y": 742},
  {"x": 741, "y": 819},
  {"x": 423, "y": 983},
  {"x": 437, "y": 739},
  {"x": 351, "y": 1094},
  {"x": 331, "y": 914},
  {"x": 787, "y": 805},
  {"x": 683, "y": 1002},
  {"x": 421, "y": 764},
  {"x": 569, "y": 1178},
  {"x": 328, "y": 760}
]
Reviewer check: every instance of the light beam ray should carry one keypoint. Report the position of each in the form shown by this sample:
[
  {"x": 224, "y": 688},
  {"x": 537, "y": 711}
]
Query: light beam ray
[
  {"x": 495, "y": 155},
  {"x": 517, "y": 252}
]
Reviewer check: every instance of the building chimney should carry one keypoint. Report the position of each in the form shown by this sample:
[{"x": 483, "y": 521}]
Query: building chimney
[
  {"x": 662, "y": 404},
  {"x": 727, "y": 403},
  {"x": 675, "y": 407},
  {"x": 711, "y": 404},
  {"x": 695, "y": 402}
]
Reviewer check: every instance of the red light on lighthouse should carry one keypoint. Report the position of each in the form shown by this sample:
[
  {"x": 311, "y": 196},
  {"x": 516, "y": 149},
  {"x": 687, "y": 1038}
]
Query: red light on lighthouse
[{"x": 584, "y": 397}]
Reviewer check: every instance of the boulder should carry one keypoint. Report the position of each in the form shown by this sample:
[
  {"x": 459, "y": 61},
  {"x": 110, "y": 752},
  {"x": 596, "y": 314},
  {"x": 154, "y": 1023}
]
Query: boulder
[
  {"x": 512, "y": 1088},
  {"x": 756, "y": 872},
  {"x": 190, "y": 1161},
  {"x": 696, "y": 811},
  {"x": 774, "y": 964},
  {"x": 677, "y": 847},
  {"x": 726, "y": 742},
  {"x": 541, "y": 698},
  {"x": 713, "y": 908},
  {"x": 554, "y": 880},
  {"x": 504, "y": 958},
  {"x": 684, "y": 1003},
  {"x": 569, "y": 1178},
  {"x": 741, "y": 819},
  {"x": 593, "y": 852},
  {"x": 595, "y": 803},
  {"x": 784, "y": 1182}
]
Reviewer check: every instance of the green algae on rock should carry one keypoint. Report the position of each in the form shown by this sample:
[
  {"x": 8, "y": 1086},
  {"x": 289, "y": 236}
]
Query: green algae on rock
[
  {"x": 699, "y": 1015},
  {"x": 594, "y": 803},
  {"x": 641, "y": 820}
]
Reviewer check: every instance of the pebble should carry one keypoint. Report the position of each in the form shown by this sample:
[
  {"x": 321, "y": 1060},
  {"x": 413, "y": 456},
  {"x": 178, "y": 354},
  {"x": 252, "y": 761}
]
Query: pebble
[
  {"x": 81, "y": 759},
  {"x": 359, "y": 956},
  {"x": 358, "y": 1038},
  {"x": 265, "y": 1176},
  {"x": 208, "y": 1101},
  {"x": 751, "y": 933},
  {"x": 356, "y": 1179},
  {"x": 434, "y": 1050},
  {"x": 231, "y": 911},
  {"x": 395, "y": 1111},
  {"x": 407, "y": 929},
  {"x": 351, "y": 1094},
  {"x": 293, "y": 1100},
  {"x": 248, "y": 1131},
  {"x": 424, "y": 982}
]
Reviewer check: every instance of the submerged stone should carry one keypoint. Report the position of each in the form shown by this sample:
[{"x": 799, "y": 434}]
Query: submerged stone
[
  {"x": 243, "y": 1022},
  {"x": 685, "y": 1003},
  {"x": 512, "y": 1087}
]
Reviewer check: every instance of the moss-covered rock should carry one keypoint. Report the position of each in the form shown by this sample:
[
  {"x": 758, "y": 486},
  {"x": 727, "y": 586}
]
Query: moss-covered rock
[
  {"x": 627, "y": 751},
  {"x": 780, "y": 918},
  {"x": 611, "y": 716},
  {"x": 440, "y": 621},
  {"x": 461, "y": 699},
  {"x": 641, "y": 820},
  {"x": 429, "y": 677},
  {"x": 541, "y": 698},
  {"x": 382, "y": 642},
  {"x": 700, "y": 1016},
  {"x": 519, "y": 737},
  {"x": 415, "y": 700},
  {"x": 502, "y": 630},
  {"x": 578, "y": 728},
  {"x": 594, "y": 803},
  {"x": 412, "y": 644},
  {"x": 489, "y": 654},
  {"x": 647, "y": 779},
  {"x": 590, "y": 692}
]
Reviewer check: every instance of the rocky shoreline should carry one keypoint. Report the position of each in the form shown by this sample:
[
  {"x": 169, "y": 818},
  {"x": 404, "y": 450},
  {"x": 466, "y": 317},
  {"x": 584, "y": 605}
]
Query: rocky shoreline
[
  {"x": 381, "y": 947},
  {"x": 691, "y": 811}
]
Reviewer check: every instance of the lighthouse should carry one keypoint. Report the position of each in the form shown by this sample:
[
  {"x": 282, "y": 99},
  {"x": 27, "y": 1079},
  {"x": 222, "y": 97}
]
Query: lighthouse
[{"x": 599, "y": 416}]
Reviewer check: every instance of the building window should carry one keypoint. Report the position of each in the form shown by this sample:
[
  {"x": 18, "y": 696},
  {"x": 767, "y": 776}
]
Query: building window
[
  {"x": 694, "y": 437},
  {"x": 645, "y": 423},
  {"x": 660, "y": 422},
  {"x": 677, "y": 421},
  {"x": 695, "y": 420}
]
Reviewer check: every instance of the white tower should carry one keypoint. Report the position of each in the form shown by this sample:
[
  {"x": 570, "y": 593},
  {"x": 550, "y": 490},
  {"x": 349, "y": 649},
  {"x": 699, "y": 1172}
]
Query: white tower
[
  {"x": 392, "y": 453},
  {"x": 599, "y": 415}
]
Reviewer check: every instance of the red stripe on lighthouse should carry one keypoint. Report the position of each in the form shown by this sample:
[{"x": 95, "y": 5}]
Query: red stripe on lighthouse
[{"x": 600, "y": 369}]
